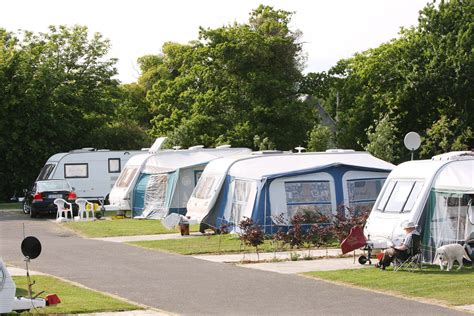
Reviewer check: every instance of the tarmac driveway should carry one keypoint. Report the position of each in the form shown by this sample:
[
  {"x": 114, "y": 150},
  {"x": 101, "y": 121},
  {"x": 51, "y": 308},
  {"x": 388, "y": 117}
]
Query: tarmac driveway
[{"x": 186, "y": 285}]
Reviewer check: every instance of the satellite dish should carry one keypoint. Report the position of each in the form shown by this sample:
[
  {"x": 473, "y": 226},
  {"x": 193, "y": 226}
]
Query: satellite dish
[
  {"x": 412, "y": 141},
  {"x": 31, "y": 247}
]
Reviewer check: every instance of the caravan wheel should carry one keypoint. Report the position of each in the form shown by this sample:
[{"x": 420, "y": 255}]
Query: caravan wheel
[
  {"x": 363, "y": 259},
  {"x": 26, "y": 208}
]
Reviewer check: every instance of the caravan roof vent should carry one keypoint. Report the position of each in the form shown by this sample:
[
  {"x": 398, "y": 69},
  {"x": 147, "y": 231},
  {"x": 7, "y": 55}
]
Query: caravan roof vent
[
  {"x": 176, "y": 147},
  {"x": 223, "y": 146},
  {"x": 145, "y": 149},
  {"x": 103, "y": 149},
  {"x": 82, "y": 150},
  {"x": 267, "y": 152},
  {"x": 454, "y": 155},
  {"x": 335, "y": 151},
  {"x": 196, "y": 147}
]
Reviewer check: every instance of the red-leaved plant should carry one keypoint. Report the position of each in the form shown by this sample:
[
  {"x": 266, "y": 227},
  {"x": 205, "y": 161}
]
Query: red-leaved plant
[
  {"x": 346, "y": 218},
  {"x": 319, "y": 234},
  {"x": 251, "y": 234}
]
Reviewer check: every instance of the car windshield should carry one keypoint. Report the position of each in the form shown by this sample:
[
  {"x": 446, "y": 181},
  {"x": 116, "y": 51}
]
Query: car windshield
[{"x": 55, "y": 185}]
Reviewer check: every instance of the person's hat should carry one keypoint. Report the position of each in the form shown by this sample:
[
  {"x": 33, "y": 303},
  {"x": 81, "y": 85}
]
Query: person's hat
[{"x": 409, "y": 225}]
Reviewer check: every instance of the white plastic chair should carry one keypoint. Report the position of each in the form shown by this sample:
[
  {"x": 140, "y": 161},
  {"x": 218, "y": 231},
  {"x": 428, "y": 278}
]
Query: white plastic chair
[
  {"x": 62, "y": 211},
  {"x": 83, "y": 210}
]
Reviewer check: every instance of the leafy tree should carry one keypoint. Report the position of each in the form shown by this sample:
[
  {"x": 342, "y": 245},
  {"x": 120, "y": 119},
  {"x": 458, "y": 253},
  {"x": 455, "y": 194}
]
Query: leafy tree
[
  {"x": 57, "y": 93},
  {"x": 133, "y": 106},
  {"x": 382, "y": 139},
  {"x": 235, "y": 82},
  {"x": 417, "y": 79},
  {"x": 445, "y": 135},
  {"x": 263, "y": 144},
  {"x": 320, "y": 138}
]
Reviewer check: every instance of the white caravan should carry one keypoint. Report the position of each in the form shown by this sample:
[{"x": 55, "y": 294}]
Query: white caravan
[
  {"x": 435, "y": 194},
  {"x": 155, "y": 184},
  {"x": 91, "y": 172},
  {"x": 9, "y": 302}
]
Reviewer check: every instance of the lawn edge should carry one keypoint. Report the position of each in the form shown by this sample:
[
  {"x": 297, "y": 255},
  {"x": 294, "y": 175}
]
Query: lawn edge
[
  {"x": 140, "y": 306},
  {"x": 390, "y": 293},
  {"x": 72, "y": 230}
]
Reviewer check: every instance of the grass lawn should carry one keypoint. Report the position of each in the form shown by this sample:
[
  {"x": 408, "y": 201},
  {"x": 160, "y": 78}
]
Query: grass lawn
[
  {"x": 74, "y": 299},
  {"x": 10, "y": 206},
  {"x": 212, "y": 244},
  {"x": 452, "y": 288},
  {"x": 121, "y": 227}
]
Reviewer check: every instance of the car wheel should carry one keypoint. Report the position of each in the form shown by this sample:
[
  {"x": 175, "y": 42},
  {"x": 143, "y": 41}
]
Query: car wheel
[
  {"x": 33, "y": 213},
  {"x": 26, "y": 208}
]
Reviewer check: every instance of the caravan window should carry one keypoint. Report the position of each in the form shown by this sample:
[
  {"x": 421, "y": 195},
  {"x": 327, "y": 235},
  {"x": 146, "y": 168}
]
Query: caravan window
[
  {"x": 76, "y": 170},
  {"x": 126, "y": 177},
  {"x": 413, "y": 197},
  {"x": 203, "y": 189},
  {"x": 363, "y": 192},
  {"x": 308, "y": 196},
  {"x": 400, "y": 196},
  {"x": 240, "y": 199},
  {"x": 114, "y": 165},
  {"x": 46, "y": 171},
  {"x": 155, "y": 194}
]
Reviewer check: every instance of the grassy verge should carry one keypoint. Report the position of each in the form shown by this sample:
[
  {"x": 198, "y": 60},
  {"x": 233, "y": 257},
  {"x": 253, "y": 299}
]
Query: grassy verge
[
  {"x": 121, "y": 227},
  {"x": 74, "y": 299},
  {"x": 212, "y": 244},
  {"x": 452, "y": 288},
  {"x": 10, "y": 206}
]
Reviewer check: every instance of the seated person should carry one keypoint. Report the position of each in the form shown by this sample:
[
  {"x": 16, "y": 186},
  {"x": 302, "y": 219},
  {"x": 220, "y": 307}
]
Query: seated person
[{"x": 403, "y": 251}]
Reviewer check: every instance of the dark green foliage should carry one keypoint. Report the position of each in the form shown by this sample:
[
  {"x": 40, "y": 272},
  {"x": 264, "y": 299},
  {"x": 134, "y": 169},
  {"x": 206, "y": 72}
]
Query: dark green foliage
[
  {"x": 56, "y": 94},
  {"x": 418, "y": 82},
  {"x": 236, "y": 82}
]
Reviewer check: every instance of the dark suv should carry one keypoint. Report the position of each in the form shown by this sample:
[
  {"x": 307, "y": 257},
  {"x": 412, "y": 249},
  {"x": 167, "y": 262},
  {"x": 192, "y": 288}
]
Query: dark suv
[{"x": 40, "y": 198}]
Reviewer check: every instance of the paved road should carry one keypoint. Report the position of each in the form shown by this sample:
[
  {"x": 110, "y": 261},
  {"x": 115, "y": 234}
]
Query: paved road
[{"x": 186, "y": 285}]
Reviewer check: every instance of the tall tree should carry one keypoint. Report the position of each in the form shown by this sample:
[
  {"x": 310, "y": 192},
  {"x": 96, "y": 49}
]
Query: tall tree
[
  {"x": 417, "y": 80},
  {"x": 235, "y": 82},
  {"x": 57, "y": 93}
]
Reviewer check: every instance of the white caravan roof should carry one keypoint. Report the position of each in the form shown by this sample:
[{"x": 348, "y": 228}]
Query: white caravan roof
[
  {"x": 167, "y": 161},
  {"x": 91, "y": 154},
  {"x": 452, "y": 171},
  {"x": 137, "y": 160},
  {"x": 258, "y": 166}
]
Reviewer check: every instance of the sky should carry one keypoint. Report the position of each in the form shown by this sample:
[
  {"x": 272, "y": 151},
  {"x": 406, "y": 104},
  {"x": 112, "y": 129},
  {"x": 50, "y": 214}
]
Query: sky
[{"x": 332, "y": 29}]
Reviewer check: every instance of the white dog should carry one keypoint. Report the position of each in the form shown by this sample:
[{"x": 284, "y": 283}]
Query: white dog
[{"x": 447, "y": 254}]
